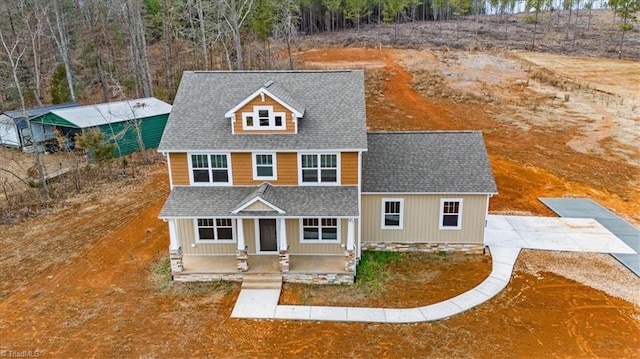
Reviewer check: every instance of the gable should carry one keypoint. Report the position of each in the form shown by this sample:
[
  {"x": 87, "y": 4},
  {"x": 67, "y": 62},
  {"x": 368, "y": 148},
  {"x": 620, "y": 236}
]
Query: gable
[
  {"x": 284, "y": 100},
  {"x": 257, "y": 206}
]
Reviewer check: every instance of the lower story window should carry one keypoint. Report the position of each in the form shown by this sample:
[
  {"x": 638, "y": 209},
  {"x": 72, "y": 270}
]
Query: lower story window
[
  {"x": 450, "y": 213},
  {"x": 320, "y": 229},
  {"x": 215, "y": 229}
]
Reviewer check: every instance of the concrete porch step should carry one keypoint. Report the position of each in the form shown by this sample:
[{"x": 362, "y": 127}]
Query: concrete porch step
[{"x": 262, "y": 281}]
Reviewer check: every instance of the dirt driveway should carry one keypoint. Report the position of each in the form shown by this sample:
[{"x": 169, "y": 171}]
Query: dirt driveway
[{"x": 84, "y": 280}]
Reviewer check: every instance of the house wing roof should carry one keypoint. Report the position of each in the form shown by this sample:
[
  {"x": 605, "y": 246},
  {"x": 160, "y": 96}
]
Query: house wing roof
[
  {"x": 113, "y": 112},
  {"x": 193, "y": 202},
  {"x": 334, "y": 112},
  {"x": 18, "y": 115},
  {"x": 436, "y": 162}
]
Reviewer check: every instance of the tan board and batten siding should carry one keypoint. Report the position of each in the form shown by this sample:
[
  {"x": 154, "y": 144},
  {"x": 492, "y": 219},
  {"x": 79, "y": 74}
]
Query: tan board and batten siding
[
  {"x": 421, "y": 219},
  {"x": 268, "y": 101},
  {"x": 242, "y": 169},
  {"x": 186, "y": 234}
]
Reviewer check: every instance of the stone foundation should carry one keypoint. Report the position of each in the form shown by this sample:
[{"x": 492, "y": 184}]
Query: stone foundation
[
  {"x": 207, "y": 277},
  {"x": 319, "y": 278},
  {"x": 242, "y": 258},
  {"x": 351, "y": 261},
  {"x": 468, "y": 248},
  {"x": 284, "y": 261},
  {"x": 175, "y": 257}
]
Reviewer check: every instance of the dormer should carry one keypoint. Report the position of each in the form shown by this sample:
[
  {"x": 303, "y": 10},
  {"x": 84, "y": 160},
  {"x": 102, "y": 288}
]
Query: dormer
[{"x": 268, "y": 110}]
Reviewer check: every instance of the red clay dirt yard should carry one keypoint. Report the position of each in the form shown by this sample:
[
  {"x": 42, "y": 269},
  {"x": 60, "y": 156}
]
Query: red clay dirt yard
[{"x": 89, "y": 279}]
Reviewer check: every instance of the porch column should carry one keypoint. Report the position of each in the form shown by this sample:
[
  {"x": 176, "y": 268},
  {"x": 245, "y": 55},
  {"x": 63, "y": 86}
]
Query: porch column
[
  {"x": 241, "y": 253},
  {"x": 284, "y": 247},
  {"x": 350, "y": 253},
  {"x": 175, "y": 250}
]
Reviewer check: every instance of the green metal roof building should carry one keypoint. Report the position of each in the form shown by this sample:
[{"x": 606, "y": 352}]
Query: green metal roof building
[{"x": 125, "y": 123}]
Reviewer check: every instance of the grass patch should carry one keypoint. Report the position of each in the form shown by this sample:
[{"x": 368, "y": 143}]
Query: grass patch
[{"x": 373, "y": 268}]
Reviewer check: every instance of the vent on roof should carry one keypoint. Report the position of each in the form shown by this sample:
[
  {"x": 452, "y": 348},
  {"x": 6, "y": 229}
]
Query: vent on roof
[{"x": 269, "y": 83}]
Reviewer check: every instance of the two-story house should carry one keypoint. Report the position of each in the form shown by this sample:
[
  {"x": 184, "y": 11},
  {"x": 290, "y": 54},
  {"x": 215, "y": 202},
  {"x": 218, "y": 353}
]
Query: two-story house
[{"x": 275, "y": 172}]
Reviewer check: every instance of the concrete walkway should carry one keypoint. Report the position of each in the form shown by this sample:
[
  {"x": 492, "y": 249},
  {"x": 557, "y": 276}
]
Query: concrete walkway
[
  {"x": 506, "y": 235},
  {"x": 587, "y": 208},
  {"x": 259, "y": 303}
]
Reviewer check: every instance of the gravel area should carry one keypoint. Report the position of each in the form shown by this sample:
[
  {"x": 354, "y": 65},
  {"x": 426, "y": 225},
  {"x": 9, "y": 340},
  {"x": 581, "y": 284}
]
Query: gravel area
[{"x": 600, "y": 274}]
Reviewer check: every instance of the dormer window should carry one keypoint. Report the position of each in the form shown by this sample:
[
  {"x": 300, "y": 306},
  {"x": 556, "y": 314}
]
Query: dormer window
[{"x": 263, "y": 118}]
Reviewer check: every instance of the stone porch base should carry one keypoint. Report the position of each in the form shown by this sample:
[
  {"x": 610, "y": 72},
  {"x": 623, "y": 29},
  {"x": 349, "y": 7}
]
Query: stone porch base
[
  {"x": 469, "y": 248},
  {"x": 306, "y": 278}
]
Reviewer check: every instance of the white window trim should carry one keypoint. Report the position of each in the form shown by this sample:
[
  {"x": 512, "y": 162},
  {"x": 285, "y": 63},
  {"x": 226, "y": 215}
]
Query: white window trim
[
  {"x": 441, "y": 217},
  {"x": 230, "y": 174},
  {"x": 273, "y": 163},
  {"x": 272, "y": 119},
  {"x": 382, "y": 213},
  {"x": 325, "y": 241},
  {"x": 338, "y": 167},
  {"x": 196, "y": 233}
]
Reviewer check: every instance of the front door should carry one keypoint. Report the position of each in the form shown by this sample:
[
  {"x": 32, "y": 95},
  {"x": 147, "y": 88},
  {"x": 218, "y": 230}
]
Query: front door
[{"x": 268, "y": 237}]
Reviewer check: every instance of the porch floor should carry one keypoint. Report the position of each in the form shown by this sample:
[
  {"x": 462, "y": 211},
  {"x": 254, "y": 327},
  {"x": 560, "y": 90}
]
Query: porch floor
[{"x": 263, "y": 264}]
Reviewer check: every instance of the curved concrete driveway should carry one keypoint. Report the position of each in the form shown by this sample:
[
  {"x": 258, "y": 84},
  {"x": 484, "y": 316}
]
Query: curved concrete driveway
[{"x": 506, "y": 235}]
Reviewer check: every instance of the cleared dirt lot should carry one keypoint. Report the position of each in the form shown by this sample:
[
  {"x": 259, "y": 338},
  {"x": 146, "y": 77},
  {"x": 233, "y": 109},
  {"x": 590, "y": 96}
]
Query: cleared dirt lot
[{"x": 83, "y": 280}]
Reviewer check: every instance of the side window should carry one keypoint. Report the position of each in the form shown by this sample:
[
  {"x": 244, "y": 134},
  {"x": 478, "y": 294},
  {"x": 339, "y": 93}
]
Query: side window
[
  {"x": 392, "y": 213},
  {"x": 451, "y": 213}
]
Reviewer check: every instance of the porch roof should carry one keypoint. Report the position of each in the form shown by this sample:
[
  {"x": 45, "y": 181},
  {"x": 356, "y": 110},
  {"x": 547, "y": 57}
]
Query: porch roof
[{"x": 295, "y": 201}]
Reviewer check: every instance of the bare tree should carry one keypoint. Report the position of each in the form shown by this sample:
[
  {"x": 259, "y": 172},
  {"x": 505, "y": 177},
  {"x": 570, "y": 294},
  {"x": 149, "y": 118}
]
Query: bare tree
[
  {"x": 59, "y": 34},
  {"x": 234, "y": 13},
  {"x": 13, "y": 56}
]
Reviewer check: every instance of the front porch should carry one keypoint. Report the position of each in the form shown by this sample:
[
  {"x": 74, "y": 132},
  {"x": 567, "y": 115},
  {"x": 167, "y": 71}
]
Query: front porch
[{"x": 302, "y": 268}]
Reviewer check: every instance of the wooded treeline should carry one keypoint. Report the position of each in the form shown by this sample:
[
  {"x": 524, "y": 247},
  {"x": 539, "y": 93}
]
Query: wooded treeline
[{"x": 99, "y": 50}]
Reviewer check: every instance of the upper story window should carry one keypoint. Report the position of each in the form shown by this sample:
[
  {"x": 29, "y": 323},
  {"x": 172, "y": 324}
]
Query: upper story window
[
  {"x": 392, "y": 213},
  {"x": 212, "y": 169},
  {"x": 264, "y": 166},
  {"x": 214, "y": 229},
  {"x": 450, "y": 213},
  {"x": 263, "y": 118},
  {"x": 319, "y": 168}
]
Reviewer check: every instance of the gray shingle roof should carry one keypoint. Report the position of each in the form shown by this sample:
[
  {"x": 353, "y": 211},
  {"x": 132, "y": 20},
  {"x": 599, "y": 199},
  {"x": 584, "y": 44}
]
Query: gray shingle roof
[
  {"x": 312, "y": 201},
  {"x": 334, "y": 115},
  {"x": 279, "y": 91},
  {"x": 437, "y": 162}
]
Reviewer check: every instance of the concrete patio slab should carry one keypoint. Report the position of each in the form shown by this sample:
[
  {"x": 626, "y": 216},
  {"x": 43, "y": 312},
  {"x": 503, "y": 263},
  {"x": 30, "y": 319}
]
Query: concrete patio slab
[
  {"x": 548, "y": 233},
  {"x": 587, "y": 208}
]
